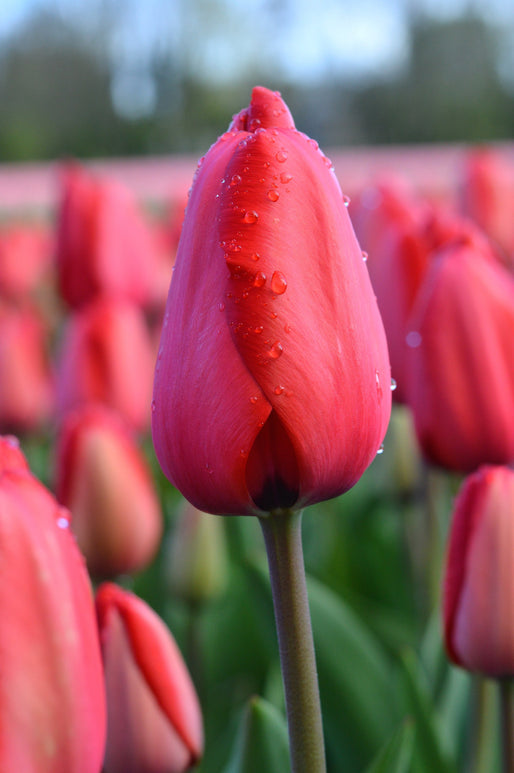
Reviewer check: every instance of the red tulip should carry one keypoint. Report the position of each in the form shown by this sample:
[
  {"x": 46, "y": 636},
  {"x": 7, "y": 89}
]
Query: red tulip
[
  {"x": 479, "y": 588},
  {"x": 154, "y": 720},
  {"x": 103, "y": 244},
  {"x": 272, "y": 385},
  {"x": 25, "y": 252},
  {"x": 103, "y": 478},
  {"x": 461, "y": 360},
  {"x": 487, "y": 196},
  {"x": 52, "y": 699},
  {"x": 26, "y": 388},
  {"x": 106, "y": 357}
]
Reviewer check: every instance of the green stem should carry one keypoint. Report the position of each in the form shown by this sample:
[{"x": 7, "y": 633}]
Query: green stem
[
  {"x": 283, "y": 538},
  {"x": 506, "y": 687},
  {"x": 482, "y": 752}
]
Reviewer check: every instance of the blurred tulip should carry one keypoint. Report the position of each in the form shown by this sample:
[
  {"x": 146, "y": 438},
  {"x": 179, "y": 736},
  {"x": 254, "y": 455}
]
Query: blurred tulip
[
  {"x": 461, "y": 360},
  {"x": 479, "y": 589},
  {"x": 26, "y": 385},
  {"x": 104, "y": 246},
  {"x": 272, "y": 386},
  {"x": 106, "y": 357},
  {"x": 52, "y": 699},
  {"x": 25, "y": 257},
  {"x": 197, "y": 556},
  {"x": 154, "y": 720},
  {"x": 104, "y": 480},
  {"x": 487, "y": 196}
]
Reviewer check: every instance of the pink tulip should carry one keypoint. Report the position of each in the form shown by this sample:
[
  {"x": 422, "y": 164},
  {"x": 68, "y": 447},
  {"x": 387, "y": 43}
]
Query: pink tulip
[
  {"x": 479, "y": 587},
  {"x": 461, "y": 360},
  {"x": 25, "y": 253},
  {"x": 104, "y": 480},
  {"x": 272, "y": 385},
  {"x": 154, "y": 718},
  {"x": 106, "y": 357},
  {"x": 26, "y": 383},
  {"x": 104, "y": 246},
  {"x": 52, "y": 699}
]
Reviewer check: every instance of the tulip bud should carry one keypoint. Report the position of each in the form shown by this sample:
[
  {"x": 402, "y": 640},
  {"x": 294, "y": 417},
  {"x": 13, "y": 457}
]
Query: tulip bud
[
  {"x": 26, "y": 390},
  {"x": 272, "y": 385},
  {"x": 103, "y": 478},
  {"x": 461, "y": 360},
  {"x": 479, "y": 589},
  {"x": 106, "y": 357},
  {"x": 104, "y": 247},
  {"x": 154, "y": 721},
  {"x": 197, "y": 556},
  {"x": 52, "y": 700}
]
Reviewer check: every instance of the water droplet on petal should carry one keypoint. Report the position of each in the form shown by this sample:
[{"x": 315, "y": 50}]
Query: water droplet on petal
[
  {"x": 278, "y": 283},
  {"x": 278, "y": 390},
  {"x": 236, "y": 179},
  {"x": 254, "y": 399},
  {"x": 393, "y": 384},
  {"x": 380, "y": 449},
  {"x": 255, "y": 256},
  {"x": 258, "y": 329},
  {"x": 63, "y": 518},
  {"x": 413, "y": 339},
  {"x": 364, "y": 256},
  {"x": 259, "y": 279},
  {"x": 281, "y": 156},
  {"x": 251, "y": 216},
  {"x": 273, "y": 194},
  {"x": 275, "y": 350},
  {"x": 285, "y": 177},
  {"x": 153, "y": 406},
  {"x": 346, "y": 200},
  {"x": 221, "y": 306}
]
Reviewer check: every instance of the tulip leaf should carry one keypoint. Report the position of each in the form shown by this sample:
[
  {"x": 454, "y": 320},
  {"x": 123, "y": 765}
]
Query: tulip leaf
[
  {"x": 396, "y": 755},
  {"x": 431, "y": 750},
  {"x": 262, "y": 743},
  {"x": 354, "y": 675}
]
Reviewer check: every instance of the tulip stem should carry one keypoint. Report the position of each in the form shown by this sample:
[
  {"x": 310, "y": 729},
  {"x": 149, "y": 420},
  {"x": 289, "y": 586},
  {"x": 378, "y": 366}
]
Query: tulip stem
[
  {"x": 506, "y": 687},
  {"x": 283, "y": 538}
]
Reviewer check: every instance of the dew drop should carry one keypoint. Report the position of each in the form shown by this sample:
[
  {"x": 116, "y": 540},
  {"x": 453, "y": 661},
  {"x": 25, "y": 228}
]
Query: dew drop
[
  {"x": 255, "y": 256},
  {"x": 278, "y": 390},
  {"x": 221, "y": 306},
  {"x": 393, "y": 384},
  {"x": 208, "y": 468},
  {"x": 254, "y": 399},
  {"x": 278, "y": 283},
  {"x": 243, "y": 453},
  {"x": 236, "y": 179},
  {"x": 364, "y": 256},
  {"x": 281, "y": 156},
  {"x": 413, "y": 339},
  {"x": 153, "y": 406},
  {"x": 273, "y": 194},
  {"x": 285, "y": 177},
  {"x": 275, "y": 350},
  {"x": 63, "y": 522},
  {"x": 346, "y": 200},
  {"x": 251, "y": 217},
  {"x": 259, "y": 279},
  {"x": 380, "y": 449},
  {"x": 379, "y": 385},
  {"x": 258, "y": 329}
]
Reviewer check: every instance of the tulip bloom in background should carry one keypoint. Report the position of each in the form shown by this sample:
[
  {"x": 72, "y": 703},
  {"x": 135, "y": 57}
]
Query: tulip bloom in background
[
  {"x": 479, "y": 587},
  {"x": 103, "y": 478},
  {"x": 25, "y": 258},
  {"x": 104, "y": 246},
  {"x": 461, "y": 360},
  {"x": 487, "y": 196},
  {"x": 26, "y": 383},
  {"x": 106, "y": 357},
  {"x": 154, "y": 718},
  {"x": 272, "y": 385},
  {"x": 52, "y": 700}
]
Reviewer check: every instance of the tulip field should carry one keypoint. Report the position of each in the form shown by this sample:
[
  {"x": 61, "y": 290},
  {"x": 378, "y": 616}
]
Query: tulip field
[{"x": 256, "y": 460}]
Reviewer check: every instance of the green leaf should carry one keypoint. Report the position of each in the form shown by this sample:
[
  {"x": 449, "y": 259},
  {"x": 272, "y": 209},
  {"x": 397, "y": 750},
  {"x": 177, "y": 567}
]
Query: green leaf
[
  {"x": 396, "y": 755},
  {"x": 431, "y": 751},
  {"x": 262, "y": 744}
]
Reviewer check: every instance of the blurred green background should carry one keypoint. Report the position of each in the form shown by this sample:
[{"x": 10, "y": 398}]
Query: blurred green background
[{"x": 127, "y": 77}]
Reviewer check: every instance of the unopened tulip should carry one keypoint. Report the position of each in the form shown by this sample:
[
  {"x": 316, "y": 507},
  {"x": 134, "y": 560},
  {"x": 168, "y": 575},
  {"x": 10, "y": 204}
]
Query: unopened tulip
[
  {"x": 104, "y": 480},
  {"x": 461, "y": 360},
  {"x": 479, "y": 587},
  {"x": 154, "y": 722},
  {"x": 106, "y": 357},
  {"x": 487, "y": 196},
  {"x": 25, "y": 252},
  {"x": 52, "y": 697},
  {"x": 104, "y": 246},
  {"x": 272, "y": 385},
  {"x": 26, "y": 384}
]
